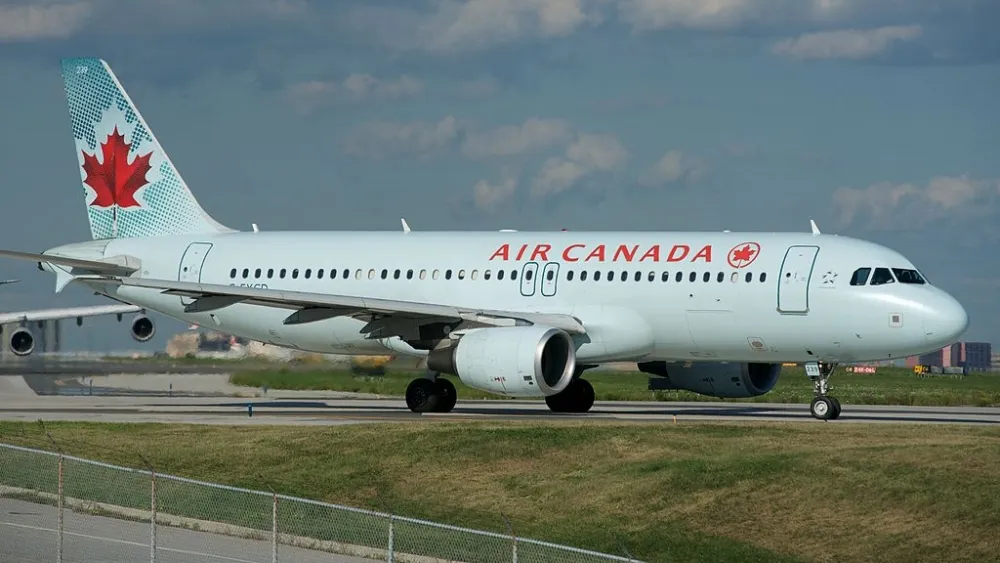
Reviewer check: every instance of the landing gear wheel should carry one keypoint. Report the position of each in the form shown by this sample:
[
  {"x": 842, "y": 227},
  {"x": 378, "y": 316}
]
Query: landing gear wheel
[
  {"x": 577, "y": 397},
  {"x": 836, "y": 408},
  {"x": 422, "y": 395},
  {"x": 447, "y": 395},
  {"x": 822, "y": 407}
]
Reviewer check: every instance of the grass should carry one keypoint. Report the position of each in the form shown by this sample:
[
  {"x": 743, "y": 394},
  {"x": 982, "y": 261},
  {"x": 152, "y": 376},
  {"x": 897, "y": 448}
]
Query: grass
[
  {"x": 762, "y": 492},
  {"x": 886, "y": 387}
]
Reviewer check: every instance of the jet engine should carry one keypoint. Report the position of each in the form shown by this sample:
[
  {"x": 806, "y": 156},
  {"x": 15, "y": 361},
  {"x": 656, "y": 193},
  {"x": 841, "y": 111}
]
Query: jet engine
[
  {"x": 22, "y": 342},
  {"x": 523, "y": 361},
  {"x": 142, "y": 328},
  {"x": 715, "y": 379}
]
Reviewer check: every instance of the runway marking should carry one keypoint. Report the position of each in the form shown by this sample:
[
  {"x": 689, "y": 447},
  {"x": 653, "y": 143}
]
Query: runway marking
[{"x": 126, "y": 542}]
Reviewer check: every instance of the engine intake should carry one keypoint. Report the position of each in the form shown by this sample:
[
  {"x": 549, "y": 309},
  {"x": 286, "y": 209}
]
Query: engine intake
[
  {"x": 22, "y": 342},
  {"x": 524, "y": 361},
  {"x": 142, "y": 328},
  {"x": 715, "y": 379}
]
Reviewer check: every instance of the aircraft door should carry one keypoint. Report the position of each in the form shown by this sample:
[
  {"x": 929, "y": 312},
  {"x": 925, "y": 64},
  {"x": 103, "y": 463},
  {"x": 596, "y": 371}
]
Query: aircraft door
[
  {"x": 191, "y": 265},
  {"x": 550, "y": 277},
  {"x": 529, "y": 273},
  {"x": 793, "y": 282}
]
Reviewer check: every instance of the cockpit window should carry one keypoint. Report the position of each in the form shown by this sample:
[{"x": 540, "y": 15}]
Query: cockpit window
[
  {"x": 860, "y": 276},
  {"x": 882, "y": 276},
  {"x": 908, "y": 276}
]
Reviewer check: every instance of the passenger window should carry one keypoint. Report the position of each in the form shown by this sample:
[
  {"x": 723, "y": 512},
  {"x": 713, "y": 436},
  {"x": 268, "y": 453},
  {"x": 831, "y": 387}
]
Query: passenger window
[
  {"x": 624, "y": 275},
  {"x": 357, "y": 274},
  {"x": 461, "y": 274},
  {"x": 652, "y": 276},
  {"x": 246, "y": 273},
  {"x": 475, "y": 275},
  {"x": 665, "y": 277},
  {"x": 347, "y": 273},
  {"x": 528, "y": 275},
  {"x": 308, "y": 272},
  {"x": 486, "y": 275},
  {"x": 295, "y": 273},
  {"x": 748, "y": 277},
  {"x": 513, "y": 275},
  {"x": 500, "y": 274},
  {"x": 706, "y": 277},
  {"x": 638, "y": 276},
  {"x": 423, "y": 274},
  {"x": 763, "y": 276},
  {"x": 333, "y": 274},
  {"x": 371, "y": 273},
  {"x": 232, "y": 273},
  {"x": 270, "y": 273},
  {"x": 597, "y": 275},
  {"x": 611, "y": 276},
  {"x": 583, "y": 275},
  {"x": 436, "y": 274},
  {"x": 385, "y": 273},
  {"x": 882, "y": 276},
  {"x": 447, "y": 274},
  {"x": 282, "y": 274},
  {"x": 692, "y": 276},
  {"x": 569, "y": 275},
  {"x": 550, "y": 275},
  {"x": 679, "y": 276},
  {"x": 860, "y": 276},
  {"x": 720, "y": 277},
  {"x": 908, "y": 276},
  {"x": 409, "y": 274},
  {"x": 734, "y": 277},
  {"x": 395, "y": 274},
  {"x": 319, "y": 273}
]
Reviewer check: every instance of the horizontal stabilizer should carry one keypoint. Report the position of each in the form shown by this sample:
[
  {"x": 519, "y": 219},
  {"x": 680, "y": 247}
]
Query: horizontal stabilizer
[{"x": 94, "y": 266}]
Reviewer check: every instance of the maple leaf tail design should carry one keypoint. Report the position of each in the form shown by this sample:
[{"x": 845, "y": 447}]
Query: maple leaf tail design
[{"x": 130, "y": 185}]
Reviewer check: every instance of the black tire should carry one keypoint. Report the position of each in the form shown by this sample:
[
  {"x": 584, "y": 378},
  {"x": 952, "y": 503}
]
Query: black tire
[
  {"x": 421, "y": 395},
  {"x": 836, "y": 408},
  {"x": 447, "y": 395},
  {"x": 583, "y": 395},
  {"x": 822, "y": 408}
]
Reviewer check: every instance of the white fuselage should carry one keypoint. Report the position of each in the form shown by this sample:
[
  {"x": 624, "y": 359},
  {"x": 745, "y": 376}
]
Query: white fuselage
[{"x": 646, "y": 298}]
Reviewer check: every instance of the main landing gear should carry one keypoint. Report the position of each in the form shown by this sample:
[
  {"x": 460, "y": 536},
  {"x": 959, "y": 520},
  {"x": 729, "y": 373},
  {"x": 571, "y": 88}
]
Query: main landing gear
[
  {"x": 431, "y": 394},
  {"x": 577, "y": 397},
  {"x": 823, "y": 406}
]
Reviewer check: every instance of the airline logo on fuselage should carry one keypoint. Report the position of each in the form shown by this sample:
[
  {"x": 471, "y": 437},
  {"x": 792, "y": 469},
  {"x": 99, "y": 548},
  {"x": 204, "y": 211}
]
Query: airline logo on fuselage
[{"x": 745, "y": 253}]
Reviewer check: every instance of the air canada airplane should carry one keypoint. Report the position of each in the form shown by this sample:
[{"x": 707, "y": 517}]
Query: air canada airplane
[
  {"x": 521, "y": 314},
  {"x": 22, "y": 340}
]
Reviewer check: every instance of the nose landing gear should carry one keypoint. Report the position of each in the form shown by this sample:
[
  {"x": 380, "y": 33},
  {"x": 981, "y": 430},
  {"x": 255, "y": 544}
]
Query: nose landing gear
[{"x": 823, "y": 406}]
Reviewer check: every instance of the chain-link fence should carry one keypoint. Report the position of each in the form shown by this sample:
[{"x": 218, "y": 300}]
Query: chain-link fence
[{"x": 67, "y": 509}]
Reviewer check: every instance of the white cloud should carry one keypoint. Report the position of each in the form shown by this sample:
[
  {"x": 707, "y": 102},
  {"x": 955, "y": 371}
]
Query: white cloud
[
  {"x": 532, "y": 135},
  {"x": 891, "y": 204},
  {"x": 482, "y": 23},
  {"x": 310, "y": 94},
  {"x": 28, "y": 23},
  {"x": 387, "y": 137},
  {"x": 672, "y": 167},
  {"x": 489, "y": 196},
  {"x": 847, "y": 43},
  {"x": 589, "y": 154}
]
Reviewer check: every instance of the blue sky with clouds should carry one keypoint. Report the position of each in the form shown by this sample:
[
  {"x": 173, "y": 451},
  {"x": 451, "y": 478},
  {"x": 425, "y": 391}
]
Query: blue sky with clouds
[{"x": 880, "y": 120}]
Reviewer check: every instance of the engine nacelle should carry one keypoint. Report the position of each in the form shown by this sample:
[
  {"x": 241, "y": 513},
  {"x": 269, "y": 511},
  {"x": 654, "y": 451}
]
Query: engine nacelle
[
  {"x": 715, "y": 379},
  {"x": 22, "y": 342},
  {"x": 142, "y": 328},
  {"x": 523, "y": 361}
]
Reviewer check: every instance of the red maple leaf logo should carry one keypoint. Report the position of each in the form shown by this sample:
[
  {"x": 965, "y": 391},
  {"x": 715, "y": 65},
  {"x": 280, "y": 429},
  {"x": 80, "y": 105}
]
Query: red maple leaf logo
[
  {"x": 115, "y": 181},
  {"x": 743, "y": 254}
]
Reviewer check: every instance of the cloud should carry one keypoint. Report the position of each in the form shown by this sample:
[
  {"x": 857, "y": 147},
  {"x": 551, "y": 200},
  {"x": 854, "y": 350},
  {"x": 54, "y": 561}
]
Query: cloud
[
  {"x": 533, "y": 135},
  {"x": 889, "y": 205},
  {"x": 489, "y": 196},
  {"x": 310, "y": 94},
  {"x": 30, "y": 23},
  {"x": 478, "y": 24},
  {"x": 385, "y": 138},
  {"x": 846, "y": 44},
  {"x": 590, "y": 153},
  {"x": 672, "y": 167}
]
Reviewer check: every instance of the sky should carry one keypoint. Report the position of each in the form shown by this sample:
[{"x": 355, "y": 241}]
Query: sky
[{"x": 879, "y": 120}]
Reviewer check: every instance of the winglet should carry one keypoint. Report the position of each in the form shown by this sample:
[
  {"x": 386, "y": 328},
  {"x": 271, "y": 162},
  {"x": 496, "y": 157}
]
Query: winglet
[
  {"x": 406, "y": 228},
  {"x": 815, "y": 229}
]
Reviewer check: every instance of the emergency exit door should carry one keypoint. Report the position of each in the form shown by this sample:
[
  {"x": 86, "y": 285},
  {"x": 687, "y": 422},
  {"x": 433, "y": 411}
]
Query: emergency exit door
[
  {"x": 191, "y": 264},
  {"x": 793, "y": 283}
]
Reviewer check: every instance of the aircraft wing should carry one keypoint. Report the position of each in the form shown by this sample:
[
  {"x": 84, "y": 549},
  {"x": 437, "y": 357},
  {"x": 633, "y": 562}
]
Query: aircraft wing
[
  {"x": 311, "y": 307},
  {"x": 66, "y": 313}
]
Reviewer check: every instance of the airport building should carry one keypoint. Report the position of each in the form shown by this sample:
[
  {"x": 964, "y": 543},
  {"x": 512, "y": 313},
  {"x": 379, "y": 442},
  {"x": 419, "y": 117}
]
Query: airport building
[{"x": 974, "y": 356}]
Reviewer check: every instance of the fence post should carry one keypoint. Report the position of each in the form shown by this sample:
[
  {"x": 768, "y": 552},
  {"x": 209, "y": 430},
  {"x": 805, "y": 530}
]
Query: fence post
[
  {"x": 390, "y": 556},
  {"x": 274, "y": 528},
  {"x": 152, "y": 507},
  {"x": 513, "y": 538},
  {"x": 59, "y": 542}
]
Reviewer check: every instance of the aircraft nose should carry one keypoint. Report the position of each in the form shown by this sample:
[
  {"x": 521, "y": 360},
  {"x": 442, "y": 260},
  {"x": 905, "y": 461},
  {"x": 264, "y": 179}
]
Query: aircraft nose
[{"x": 945, "y": 320}]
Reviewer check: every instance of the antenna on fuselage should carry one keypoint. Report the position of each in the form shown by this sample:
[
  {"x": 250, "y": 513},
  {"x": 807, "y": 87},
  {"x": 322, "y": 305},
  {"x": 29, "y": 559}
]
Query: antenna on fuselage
[
  {"x": 406, "y": 228},
  {"x": 815, "y": 229},
  {"x": 255, "y": 229}
]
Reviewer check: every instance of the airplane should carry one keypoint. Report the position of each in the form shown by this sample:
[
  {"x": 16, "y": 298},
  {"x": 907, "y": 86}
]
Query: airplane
[
  {"x": 22, "y": 341},
  {"x": 521, "y": 314}
]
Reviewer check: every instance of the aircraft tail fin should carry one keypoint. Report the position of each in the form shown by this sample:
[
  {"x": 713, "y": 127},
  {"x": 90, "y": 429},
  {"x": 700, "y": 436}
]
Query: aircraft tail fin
[{"x": 130, "y": 185}]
